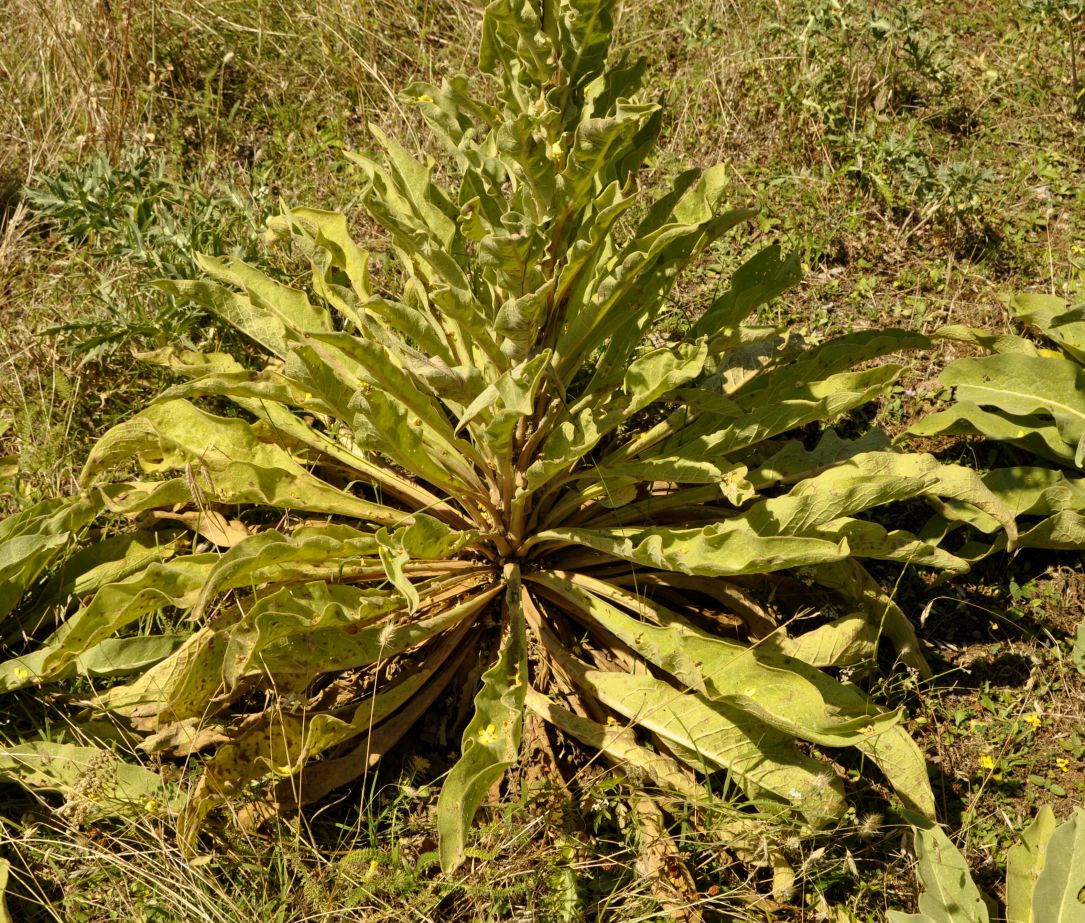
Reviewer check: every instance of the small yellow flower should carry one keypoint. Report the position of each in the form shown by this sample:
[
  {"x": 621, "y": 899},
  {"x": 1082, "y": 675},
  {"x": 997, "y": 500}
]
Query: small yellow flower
[
  {"x": 425, "y": 99},
  {"x": 987, "y": 761},
  {"x": 1032, "y": 719},
  {"x": 150, "y": 805},
  {"x": 487, "y": 735},
  {"x": 21, "y": 674},
  {"x": 554, "y": 151},
  {"x": 1063, "y": 764}
]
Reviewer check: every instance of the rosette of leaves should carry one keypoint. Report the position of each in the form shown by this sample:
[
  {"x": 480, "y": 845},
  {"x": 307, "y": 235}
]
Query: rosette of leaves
[
  {"x": 480, "y": 478},
  {"x": 1028, "y": 392}
]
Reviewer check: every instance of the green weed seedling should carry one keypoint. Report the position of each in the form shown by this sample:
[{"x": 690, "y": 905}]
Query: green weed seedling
[{"x": 132, "y": 214}]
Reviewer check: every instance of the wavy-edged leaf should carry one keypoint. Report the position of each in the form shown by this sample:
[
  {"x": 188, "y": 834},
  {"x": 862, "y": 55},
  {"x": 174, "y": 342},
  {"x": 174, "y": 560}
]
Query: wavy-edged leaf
[
  {"x": 595, "y": 141},
  {"x": 508, "y": 400},
  {"x": 851, "y": 581},
  {"x": 109, "y": 658},
  {"x": 414, "y": 182},
  {"x": 949, "y": 895},
  {"x": 844, "y": 642},
  {"x": 378, "y": 370},
  {"x": 647, "y": 379},
  {"x": 32, "y": 539},
  {"x": 450, "y": 110},
  {"x": 329, "y": 231},
  {"x": 723, "y": 426},
  {"x": 760, "y": 279},
  {"x": 666, "y": 236},
  {"x": 710, "y": 736},
  {"x": 720, "y": 550},
  {"x": 801, "y": 527},
  {"x": 992, "y": 342},
  {"x": 384, "y": 425},
  {"x": 833, "y": 357},
  {"x": 1024, "y": 385},
  {"x": 869, "y": 480},
  {"x": 1044, "y": 494},
  {"x": 320, "y": 628},
  {"x": 780, "y": 692},
  {"x": 227, "y": 460},
  {"x": 176, "y": 583},
  {"x": 491, "y": 740},
  {"x": 794, "y": 462}
]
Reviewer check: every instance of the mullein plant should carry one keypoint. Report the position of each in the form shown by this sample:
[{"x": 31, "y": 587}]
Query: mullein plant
[{"x": 480, "y": 477}]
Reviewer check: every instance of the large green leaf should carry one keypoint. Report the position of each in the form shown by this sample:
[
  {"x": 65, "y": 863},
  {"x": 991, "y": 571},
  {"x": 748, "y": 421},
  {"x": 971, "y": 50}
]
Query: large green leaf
[
  {"x": 712, "y": 425},
  {"x": 949, "y": 895},
  {"x": 845, "y": 642},
  {"x": 646, "y": 380},
  {"x": 318, "y": 628},
  {"x": 710, "y": 736},
  {"x": 226, "y": 460},
  {"x": 1023, "y": 385},
  {"x": 1025, "y": 862},
  {"x": 1057, "y": 893},
  {"x": 650, "y": 253},
  {"x": 780, "y": 692},
  {"x": 119, "y": 604},
  {"x": 1052, "y": 317},
  {"x": 32, "y": 539},
  {"x": 798, "y": 529},
  {"x": 1051, "y": 507},
  {"x": 109, "y": 658},
  {"x": 491, "y": 741},
  {"x": 1034, "y": 432},
  {"x": 719, "y": 550},
  {"x": 95, "y": 782}
]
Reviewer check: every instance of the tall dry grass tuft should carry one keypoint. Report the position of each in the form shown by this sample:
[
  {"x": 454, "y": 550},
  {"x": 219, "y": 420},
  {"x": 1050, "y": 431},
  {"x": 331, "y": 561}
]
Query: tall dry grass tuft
[{"x": 70, "y": 67}]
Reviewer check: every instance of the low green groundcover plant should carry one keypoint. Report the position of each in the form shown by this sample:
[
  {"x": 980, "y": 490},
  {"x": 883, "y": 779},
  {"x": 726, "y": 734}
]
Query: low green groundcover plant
[{"x": 486, "y": 474}]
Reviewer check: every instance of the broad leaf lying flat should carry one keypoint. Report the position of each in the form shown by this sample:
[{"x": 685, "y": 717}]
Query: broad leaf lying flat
[{"x": 949, "y": 895}]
